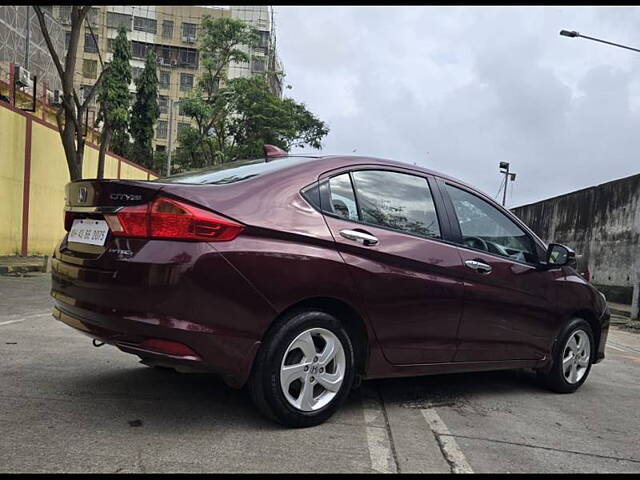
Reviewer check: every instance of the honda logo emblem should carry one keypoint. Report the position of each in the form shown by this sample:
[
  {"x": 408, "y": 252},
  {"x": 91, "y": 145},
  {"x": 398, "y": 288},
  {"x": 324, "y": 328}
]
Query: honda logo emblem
[{"x": 82, "y": 195}]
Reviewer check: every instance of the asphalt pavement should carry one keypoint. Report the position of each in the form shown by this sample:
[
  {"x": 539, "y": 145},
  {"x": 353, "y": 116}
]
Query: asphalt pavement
[{"x": 66, "y": 406}]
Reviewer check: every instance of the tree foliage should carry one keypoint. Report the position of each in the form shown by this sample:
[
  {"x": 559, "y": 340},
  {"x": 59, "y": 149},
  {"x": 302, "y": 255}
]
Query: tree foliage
[
  {"x": 113, "y": 97},
  {"x": 145, "y": 112},
  {"x": 235, "y": 118}
]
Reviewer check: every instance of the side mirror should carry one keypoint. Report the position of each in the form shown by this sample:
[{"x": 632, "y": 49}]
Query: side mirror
[{"x": 560, "y": 255}]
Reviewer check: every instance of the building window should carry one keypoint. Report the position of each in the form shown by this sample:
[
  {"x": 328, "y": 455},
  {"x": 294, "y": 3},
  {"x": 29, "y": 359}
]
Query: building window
[
  {"x": 257, "y": 65},
  {"x": 164, "y": 55},
  {"x": 167, "y": 29},
  {"x": 67, "y": 40},
  {"x": 186, "y": 82},
  {"x": 143, "y": 24},
  {"x": 136, "y": 72},
  {"x": 188, "y": 58},
  {"x": 90, "y": 68},
  {"x": 183, "y": 126},
  {"x": 64, "y": 14},
  {"x": 117, "y": 20},
  {"x": 161, "y": 129},
  {"x": 164, "y": 81},
  {"x": 139, "y": 49},
  {"x": 93, "y": 15},
  {"x": 189, "y": 32},
  {"x": 161, "y": 148},
  {"x": 163, "y": 103},
  {"x": 263, "y": 38},
  {"x": 90, "y": 45},
  {"x": 181, "y": 107},
  {"x": 84, "y": 93}
]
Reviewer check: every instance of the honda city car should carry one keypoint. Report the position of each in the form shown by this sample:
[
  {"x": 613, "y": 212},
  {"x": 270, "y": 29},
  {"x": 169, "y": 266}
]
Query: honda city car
[{"x": 299, "y": 276}]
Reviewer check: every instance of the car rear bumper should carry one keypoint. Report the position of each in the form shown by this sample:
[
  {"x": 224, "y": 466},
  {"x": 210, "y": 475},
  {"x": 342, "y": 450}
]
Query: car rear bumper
[
  {"x": 228, "y": 356},
  {"x": 188, "y": 294}
]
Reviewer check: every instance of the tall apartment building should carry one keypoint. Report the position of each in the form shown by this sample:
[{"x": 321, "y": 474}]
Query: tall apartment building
[
  {"x": 173, "y": 33},
  {"x": 22, "y": 44}
]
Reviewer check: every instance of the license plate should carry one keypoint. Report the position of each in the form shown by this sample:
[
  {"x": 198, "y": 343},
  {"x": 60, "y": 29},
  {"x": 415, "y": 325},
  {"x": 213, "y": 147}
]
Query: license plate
[{"x": 86, "y": 230}]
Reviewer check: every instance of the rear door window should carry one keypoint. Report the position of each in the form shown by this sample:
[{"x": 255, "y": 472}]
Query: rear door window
[
  {"x": 342, "y": 201},
  {"x": 398, "y": 201}
]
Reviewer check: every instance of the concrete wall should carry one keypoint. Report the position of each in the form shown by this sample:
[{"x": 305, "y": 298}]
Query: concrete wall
[
  {"x": 33, "y": 174},
  {"x": 602, "y": 223}
]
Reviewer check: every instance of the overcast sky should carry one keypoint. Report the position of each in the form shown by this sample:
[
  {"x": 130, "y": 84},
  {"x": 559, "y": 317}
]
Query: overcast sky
[{"x": 459, "y": 89}]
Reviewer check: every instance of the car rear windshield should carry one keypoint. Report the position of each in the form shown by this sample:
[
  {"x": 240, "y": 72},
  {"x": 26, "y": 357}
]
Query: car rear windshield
[{"x": 233, "y": 171}]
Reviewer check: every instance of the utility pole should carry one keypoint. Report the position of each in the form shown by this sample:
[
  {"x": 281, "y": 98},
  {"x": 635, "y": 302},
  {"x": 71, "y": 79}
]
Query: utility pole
[
  {"x": 504, "y": 169},
  {"x": 170, "y": 142}
]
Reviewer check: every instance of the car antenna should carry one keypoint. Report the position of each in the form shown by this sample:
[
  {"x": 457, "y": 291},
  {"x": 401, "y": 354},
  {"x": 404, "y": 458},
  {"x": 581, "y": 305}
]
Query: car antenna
[{"x": 271, "y": 152}]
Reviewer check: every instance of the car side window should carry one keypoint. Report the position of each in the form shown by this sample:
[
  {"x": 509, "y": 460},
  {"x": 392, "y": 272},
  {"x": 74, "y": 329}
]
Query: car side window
[
  {"x": 342, "y": 201},
  {"x": 396, "y": 200},
  {"x": 484, "y": 227}
]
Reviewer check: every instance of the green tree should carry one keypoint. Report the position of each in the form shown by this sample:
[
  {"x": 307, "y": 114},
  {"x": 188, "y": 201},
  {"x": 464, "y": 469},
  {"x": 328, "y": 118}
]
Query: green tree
[
  {"x": 233, "y": 119},
  {"x": 221, "y": 42},
  {"x": 244, "y": 117},
  {"x": 258, "y": 117},
  {"x": 145, "y": 112},
  {"x": 113, "y": 97}
]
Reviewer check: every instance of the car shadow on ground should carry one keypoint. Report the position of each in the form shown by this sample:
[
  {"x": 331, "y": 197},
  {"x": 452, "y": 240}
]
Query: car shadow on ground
[
  {"x": 154, "y": 395},
  {"x": 455, "y": 390}
]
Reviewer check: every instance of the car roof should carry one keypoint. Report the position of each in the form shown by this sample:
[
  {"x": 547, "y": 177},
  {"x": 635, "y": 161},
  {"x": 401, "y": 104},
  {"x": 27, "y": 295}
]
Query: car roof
[{"x": 331, "y": 162}]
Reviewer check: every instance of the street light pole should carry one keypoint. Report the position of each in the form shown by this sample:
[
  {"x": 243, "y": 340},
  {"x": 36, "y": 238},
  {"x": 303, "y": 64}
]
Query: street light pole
[
  {"x": 574, "y": 34},
  {"x": 504, "y": 168},
  {"x": 635, "y": 295}
]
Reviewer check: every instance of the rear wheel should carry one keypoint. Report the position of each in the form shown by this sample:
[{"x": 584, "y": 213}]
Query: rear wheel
[
  {"x": 572, "y": 357},
  {"x": 304, "y": 370}
]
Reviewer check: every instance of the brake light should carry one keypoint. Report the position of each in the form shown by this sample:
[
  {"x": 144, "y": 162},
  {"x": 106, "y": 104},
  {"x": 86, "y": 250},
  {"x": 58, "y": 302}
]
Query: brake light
[{"x": 170, "y": 219}]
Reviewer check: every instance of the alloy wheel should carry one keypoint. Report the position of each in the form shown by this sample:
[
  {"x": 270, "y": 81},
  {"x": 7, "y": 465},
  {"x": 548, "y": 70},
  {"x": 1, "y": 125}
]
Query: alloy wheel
[
  {"x": 576, "y": 356},
  {"x": 312, "y": 369}
]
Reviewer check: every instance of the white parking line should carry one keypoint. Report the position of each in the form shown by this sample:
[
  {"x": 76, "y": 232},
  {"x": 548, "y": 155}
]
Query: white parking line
[
  {"x": 12, "y": 321},
  {"x": 36, "y": 315},
  {"x": 448, "y": 444},
  {"x": 377, "y": 441},
  {"x": 616, "y": 348}
]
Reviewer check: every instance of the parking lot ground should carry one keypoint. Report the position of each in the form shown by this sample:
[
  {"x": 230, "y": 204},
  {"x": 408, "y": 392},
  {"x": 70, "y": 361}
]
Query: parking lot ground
[{"x": 66, "y": 406}]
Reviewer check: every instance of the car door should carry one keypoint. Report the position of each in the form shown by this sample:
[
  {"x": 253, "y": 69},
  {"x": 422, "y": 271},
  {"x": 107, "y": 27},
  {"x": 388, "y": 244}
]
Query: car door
[
  {"x": 388, "y": 230},
  {"x": 508, "y": 302}
]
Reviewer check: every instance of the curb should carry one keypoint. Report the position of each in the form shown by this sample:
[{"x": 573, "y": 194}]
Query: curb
[
  {"x": 10, "y": 269},
  {"x": 43, "y": 266}
]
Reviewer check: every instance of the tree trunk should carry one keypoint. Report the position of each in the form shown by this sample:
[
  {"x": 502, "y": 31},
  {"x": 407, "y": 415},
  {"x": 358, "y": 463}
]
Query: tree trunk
[{"x": 104, "y": 147}]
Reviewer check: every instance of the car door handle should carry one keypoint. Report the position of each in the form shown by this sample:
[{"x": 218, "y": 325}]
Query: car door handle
[
  {"x": 478, "y": 266},
  {"x": 359, "y": 236}
]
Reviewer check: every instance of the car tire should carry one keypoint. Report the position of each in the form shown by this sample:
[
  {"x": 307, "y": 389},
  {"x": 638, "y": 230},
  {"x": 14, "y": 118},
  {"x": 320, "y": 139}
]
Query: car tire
[
  {"x": 572, "y": 356},
  {"x": 295, "y": 380}
]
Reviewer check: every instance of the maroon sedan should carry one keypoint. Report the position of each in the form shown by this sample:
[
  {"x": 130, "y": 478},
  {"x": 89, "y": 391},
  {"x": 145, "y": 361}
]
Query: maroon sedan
[{"x": 299, "y": 276}]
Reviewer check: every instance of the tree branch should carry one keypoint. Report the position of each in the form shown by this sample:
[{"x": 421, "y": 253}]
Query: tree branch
[
  {"x": 47, "y": 39},
  {"x": 95, "y": 87}
]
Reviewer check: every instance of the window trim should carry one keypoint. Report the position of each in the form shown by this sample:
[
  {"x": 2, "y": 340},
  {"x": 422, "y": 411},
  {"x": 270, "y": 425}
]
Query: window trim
[
  {"x": 326, "y": 176},
  {"x": 455, "y": 223}
]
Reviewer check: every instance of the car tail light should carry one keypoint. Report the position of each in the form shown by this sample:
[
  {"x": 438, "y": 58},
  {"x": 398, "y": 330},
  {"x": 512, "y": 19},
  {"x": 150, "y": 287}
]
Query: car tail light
[{"x": 170, "y": 219}]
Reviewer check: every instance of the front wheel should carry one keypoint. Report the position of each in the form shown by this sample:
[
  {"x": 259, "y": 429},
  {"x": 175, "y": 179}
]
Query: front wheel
[
  {"x": 572, "y": 357},
  {"x": 304, "y": 370}
]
